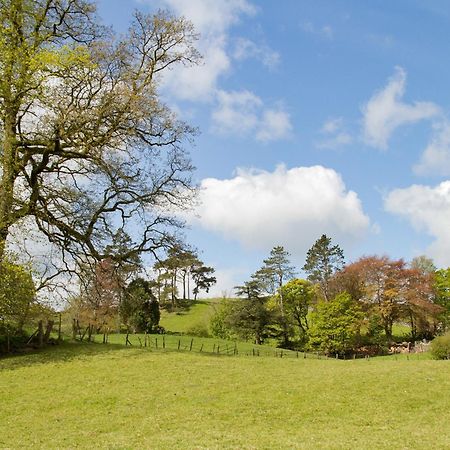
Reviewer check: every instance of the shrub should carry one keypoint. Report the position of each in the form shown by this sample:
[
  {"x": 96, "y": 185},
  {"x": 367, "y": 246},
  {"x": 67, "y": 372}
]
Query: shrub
[
  {"x": 440, "y": 347},
  {"x": 198, "y": 330},
  {"x": 218, "y": 323},
  {"x": 17, "y": 293}
]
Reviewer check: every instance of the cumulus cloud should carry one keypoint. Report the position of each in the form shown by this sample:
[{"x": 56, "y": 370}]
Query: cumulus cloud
[
  {"x": 436, "y": 157},
  {"x": 428, "y": 209},
  {"x": 245, "y": 49},
  {"x": 386, "y": 111},
  {"x": 291, "y": 207},
  {"x": 243, "y": 113}
]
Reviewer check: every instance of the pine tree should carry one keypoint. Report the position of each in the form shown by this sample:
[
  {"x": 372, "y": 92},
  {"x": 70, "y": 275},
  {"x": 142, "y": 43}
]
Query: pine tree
[{"x": 323, "y": 260}]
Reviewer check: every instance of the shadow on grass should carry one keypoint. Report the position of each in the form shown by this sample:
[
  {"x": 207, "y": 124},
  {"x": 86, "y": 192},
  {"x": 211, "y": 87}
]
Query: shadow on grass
[
  {"x": 184, "y": 306},
  {"x": 60, "y": 353}
]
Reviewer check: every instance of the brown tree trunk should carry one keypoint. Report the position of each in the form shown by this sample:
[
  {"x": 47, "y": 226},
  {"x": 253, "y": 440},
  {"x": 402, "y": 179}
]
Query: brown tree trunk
[{"x": 8, "y": 177}]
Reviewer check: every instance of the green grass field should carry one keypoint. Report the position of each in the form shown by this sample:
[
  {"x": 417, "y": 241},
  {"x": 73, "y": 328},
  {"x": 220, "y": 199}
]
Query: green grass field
[
  {"x": 108, "y": 396},
  {"x": 183, "y": 320}
]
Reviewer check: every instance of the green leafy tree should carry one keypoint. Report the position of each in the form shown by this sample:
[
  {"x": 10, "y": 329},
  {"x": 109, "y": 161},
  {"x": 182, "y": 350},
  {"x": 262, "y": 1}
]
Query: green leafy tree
[
  {"x": 336, "y": 325},
  {"x": 219, "y": 324},
  {"x": 203, "y": 278},
  {"x": 140, "y": 308},
  {"x": 299, "y": 296},
  {"x": 17, "y": 296},
  {"x": 323, "y": 260},
  {"x": 249, "y": 317},
  {"x": 442, "y": 292},
  {"x": 87, "y": 145}
]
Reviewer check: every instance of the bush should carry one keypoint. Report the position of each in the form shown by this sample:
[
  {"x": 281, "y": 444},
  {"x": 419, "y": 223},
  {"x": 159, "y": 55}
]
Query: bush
[
  {"x": 17, "y": 293},
  {"x": 440, "y": 347},
  {"x": 218, "y": 323},
  {"x": 198, "y": 330}
]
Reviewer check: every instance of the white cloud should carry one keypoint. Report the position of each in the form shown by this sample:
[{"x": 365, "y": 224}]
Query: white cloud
[
  {"x": 275, "y": 125},
  {"x": 246, "y": 48},
  {"x": 334, "y": 142},
  {"x": 236, "y": 113},
  {"x": 243, "y": 113},
  {"x": 436, "y": 157},
  {"x": 212, "y": 19},
  {"x": 332, "y": 125},
  {"x": 289, "y": 207},
  {"x": 427, "y": 208},
  {"x": 336, "y": 135},
  {"x": 385, "y": 111}
]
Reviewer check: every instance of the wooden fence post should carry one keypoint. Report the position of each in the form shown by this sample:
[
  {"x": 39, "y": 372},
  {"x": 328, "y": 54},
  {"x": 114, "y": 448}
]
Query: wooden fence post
[
  {"x": 59, "y": 328},
  {"x": 164, "y": 341},
  {"x": 190, "y": 348}
]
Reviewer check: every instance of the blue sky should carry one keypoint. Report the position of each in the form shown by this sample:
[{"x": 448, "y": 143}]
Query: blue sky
[{"x": 315, "y": 117}]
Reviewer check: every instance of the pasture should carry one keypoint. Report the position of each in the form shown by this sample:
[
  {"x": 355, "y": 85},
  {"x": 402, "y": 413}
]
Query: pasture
[{"x": 109, "y": 396}]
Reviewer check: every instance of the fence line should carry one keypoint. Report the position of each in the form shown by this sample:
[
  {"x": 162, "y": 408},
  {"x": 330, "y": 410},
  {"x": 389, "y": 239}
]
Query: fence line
[{"x": 189, "y": 344}]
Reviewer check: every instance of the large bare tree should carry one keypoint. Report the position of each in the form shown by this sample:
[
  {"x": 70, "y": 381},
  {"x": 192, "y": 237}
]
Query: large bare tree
[{"x": 88, "y": 149}]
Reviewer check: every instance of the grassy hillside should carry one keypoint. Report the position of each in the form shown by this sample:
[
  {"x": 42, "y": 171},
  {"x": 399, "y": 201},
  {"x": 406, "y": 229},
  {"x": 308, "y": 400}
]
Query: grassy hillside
[
  {"x": 95, "y": 396},
  {"x": 195, "y": 315}
]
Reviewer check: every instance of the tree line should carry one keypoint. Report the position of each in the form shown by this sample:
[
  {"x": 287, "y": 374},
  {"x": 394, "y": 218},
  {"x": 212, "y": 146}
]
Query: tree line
[{"x": 339, "y": 308}]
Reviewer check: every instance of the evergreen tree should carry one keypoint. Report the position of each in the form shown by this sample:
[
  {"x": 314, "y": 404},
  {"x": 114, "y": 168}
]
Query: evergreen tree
[
  {"x": 323, "y": 260},
  {"x": 277, "y": 269}
]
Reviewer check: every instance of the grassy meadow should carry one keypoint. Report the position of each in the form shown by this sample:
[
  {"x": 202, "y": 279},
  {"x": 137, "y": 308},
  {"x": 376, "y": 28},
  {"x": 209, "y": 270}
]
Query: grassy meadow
[
  {"x": 108, "y": 396},
  {"x": 156, "y": 397}
]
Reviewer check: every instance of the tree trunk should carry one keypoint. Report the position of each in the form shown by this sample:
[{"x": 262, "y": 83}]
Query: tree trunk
[{"x": 8, "y": 178}]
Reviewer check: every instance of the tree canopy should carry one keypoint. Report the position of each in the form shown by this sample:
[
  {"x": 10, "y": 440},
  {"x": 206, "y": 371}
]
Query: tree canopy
[
  {"x": 322, "y": 261},
  {"x": 87, "y": 146}
]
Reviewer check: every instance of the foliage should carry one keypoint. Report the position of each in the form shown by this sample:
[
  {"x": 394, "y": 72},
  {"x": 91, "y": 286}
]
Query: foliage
[
  {"x": 88, "y": 147},
  {"x": 250, "y": 318},
  {"x": 322, "y": 261},
  {"x": 392, "y": 291},
  {"x": 182, "y": 265},
  {"x": 199, "y": 330},
  {"x": 299, "y": 296},
  {"x": 203, "y": 278},
  {"x": 17, "y": 296},
  {"x": 276, "y": 270},
  {"x": 442, "y": 289},
  {"x": 440, "y": 347},
  {"x": 336, "y": 325},
  {"x": 139, "y": 308},
  {"x": 218, "y": 323}
]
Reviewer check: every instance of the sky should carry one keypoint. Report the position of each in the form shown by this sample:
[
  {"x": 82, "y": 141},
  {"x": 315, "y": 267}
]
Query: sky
[{"x": 315, "y": 117}]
